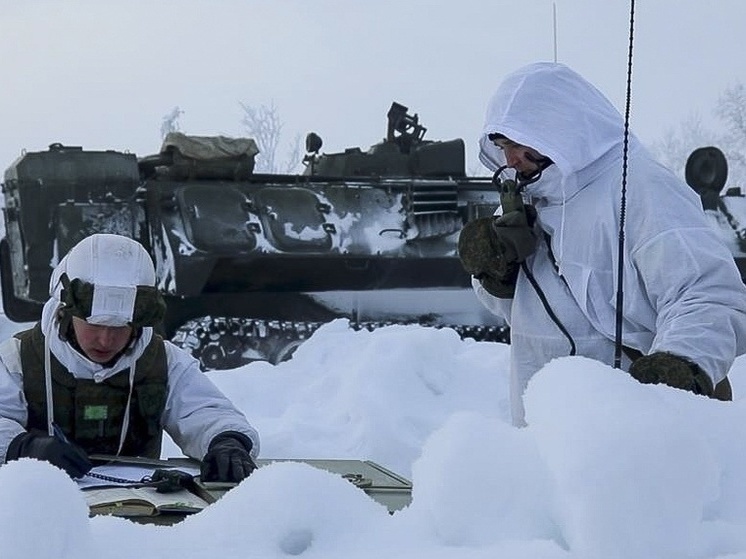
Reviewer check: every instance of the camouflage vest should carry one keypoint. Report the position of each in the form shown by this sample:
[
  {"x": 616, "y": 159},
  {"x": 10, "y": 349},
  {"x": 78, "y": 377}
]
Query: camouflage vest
[{"x": 92, "y": 414}]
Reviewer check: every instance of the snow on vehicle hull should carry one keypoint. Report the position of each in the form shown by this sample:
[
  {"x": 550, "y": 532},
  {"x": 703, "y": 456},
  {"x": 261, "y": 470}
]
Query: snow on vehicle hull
[{"x": 251, "y": 264}]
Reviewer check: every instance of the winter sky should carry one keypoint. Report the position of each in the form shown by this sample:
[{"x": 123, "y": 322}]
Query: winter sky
[{"x": 103, "y": 73}]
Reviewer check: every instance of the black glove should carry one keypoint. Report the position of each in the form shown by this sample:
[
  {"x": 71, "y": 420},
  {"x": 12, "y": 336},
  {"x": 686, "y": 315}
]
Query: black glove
[
  {"x": 670, "y": 369},
  {"x": 63, "y": 454},
  {"x": 228, "y": 458},
  {"x": 492, "y": 248}
]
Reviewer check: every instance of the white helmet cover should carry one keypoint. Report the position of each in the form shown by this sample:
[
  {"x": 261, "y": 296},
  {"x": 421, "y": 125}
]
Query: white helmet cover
[{"x": 115, "y": 266}]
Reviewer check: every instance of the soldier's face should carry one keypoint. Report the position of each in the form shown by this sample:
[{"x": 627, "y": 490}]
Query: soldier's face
[
  {"x": 522, "y": 158},
  {"x": 101, "y": 343}
]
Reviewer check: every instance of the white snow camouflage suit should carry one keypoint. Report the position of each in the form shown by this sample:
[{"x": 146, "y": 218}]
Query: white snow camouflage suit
[{"x": 682, "y": 291}]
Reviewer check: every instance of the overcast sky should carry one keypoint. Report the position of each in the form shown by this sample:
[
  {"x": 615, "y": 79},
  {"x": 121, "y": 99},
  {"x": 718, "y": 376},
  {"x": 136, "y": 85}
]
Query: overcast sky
[{"x": 103, "y": 73}]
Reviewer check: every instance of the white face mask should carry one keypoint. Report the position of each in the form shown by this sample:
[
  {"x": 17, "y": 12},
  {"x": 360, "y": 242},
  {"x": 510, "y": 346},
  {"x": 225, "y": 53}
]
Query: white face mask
[{"x": 549, "y": 184}]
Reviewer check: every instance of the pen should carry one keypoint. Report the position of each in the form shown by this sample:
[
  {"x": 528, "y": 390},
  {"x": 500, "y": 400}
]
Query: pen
[{"x": 58, "y": 433}]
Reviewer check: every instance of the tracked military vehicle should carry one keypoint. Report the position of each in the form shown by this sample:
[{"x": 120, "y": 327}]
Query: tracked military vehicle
[{"x": 251, "y": 264}]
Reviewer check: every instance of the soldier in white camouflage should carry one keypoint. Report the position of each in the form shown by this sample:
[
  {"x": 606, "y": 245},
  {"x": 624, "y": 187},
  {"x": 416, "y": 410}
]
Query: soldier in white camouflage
[
  {"x": 550, "y": 268},
  {"x": 93, "y": 377}
]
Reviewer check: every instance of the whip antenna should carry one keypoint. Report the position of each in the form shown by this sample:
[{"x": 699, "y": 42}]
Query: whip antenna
[
  {"x": 623, "y": 208},
  {"x": 554, "y": 28}
]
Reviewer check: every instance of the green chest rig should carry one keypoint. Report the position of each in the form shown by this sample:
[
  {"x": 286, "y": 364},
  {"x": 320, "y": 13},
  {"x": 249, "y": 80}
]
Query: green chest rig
[{"x": 92, "y": 414}]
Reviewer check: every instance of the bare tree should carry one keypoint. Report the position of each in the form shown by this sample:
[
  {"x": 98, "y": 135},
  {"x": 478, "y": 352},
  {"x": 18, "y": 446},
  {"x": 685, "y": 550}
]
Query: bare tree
[
  {"x": 678, "y": 143},
  {"x": 731, "y": 109},
  {"x": 170, "y": 122},
  {"x": 294, "y": 157},
  {"x": 263, "y": 124}
]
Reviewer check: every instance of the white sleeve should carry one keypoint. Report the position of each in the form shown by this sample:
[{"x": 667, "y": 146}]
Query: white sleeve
[
  {"x": 497, "y": 306},
  {"x": 13, "y": 409},
  {"x": 196, "y": 410},
  {"x": 692, "y": 281}
]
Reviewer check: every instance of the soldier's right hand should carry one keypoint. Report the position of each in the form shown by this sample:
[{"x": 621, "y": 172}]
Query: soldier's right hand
[
  {"x": 492, "y": 248},
  {"x": 63, "y": 454}
]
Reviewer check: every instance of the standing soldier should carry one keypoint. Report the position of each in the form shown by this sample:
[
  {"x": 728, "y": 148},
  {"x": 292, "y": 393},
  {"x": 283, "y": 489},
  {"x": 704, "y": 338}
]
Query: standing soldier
[{"x": 550, "y": 268}]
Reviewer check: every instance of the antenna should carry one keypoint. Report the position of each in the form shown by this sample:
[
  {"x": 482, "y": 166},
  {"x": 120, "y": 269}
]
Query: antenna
[
  {"x": 554, "y": 28},
  {"x": 618, "y": 346}
]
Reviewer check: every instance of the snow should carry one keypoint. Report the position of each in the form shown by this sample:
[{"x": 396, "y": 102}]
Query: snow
[{"x": 605, "y": 468}]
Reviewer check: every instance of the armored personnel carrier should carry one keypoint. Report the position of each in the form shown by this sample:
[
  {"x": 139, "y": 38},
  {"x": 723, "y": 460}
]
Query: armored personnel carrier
[{"x": 251, "y": 264}]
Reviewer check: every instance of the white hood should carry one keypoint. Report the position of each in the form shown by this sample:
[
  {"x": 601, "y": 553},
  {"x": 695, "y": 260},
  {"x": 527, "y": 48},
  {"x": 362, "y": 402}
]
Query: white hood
[{"x": 552, "y": 109}]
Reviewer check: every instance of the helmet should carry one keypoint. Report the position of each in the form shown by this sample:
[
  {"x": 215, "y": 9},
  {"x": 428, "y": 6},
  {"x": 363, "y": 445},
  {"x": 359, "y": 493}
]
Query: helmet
[{"x": 108, "y": 280}]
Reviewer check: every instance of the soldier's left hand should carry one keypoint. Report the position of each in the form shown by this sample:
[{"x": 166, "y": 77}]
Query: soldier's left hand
[{"x": 228, "y": 458}]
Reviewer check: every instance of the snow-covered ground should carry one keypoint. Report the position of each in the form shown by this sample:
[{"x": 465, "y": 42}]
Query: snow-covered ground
[{"x": 606, "y": 468}]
